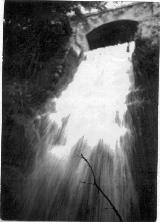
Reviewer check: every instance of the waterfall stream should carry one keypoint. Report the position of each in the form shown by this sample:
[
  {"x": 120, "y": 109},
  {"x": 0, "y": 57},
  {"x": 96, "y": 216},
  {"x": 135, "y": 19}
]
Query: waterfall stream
[{"x": 89, "y": 120}]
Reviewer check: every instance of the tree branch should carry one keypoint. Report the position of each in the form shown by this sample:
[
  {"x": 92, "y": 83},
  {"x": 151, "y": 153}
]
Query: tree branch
[{"x": 101, "y": 191}]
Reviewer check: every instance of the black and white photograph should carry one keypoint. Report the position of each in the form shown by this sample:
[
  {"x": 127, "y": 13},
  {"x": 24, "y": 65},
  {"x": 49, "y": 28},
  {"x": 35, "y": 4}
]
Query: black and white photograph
[{"x": 80, "y": 92}]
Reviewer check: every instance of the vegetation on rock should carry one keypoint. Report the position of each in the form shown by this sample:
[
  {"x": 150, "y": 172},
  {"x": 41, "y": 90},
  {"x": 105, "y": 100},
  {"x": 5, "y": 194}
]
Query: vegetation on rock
[{"x": 36, "y": 44}]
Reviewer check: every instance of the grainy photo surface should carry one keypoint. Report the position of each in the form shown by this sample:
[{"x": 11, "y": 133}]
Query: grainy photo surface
[{"x": 80, "y": 111}]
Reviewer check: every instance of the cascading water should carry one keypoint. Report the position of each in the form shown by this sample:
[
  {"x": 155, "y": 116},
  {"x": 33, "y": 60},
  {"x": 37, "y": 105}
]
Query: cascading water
[{"x": 89, "y": 120}]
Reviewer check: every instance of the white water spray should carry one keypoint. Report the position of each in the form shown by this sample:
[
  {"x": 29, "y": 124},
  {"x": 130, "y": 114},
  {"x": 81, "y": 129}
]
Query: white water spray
[
  {"x": 95, "y": 98},
  {"x": 89, "y": 119}
]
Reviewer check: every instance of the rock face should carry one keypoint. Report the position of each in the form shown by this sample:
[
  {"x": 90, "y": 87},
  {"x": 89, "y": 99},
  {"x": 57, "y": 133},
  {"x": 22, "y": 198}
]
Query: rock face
[
  {"x": 145, "y": 121},
  {"x": 145, "y": 116}
]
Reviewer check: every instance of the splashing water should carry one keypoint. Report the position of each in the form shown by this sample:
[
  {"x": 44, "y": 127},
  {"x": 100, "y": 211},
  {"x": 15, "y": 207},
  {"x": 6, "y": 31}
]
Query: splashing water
[{"x": 89, "y": 119}]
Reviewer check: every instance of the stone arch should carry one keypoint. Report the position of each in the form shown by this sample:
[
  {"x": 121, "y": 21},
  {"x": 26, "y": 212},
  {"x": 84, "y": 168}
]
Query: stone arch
[{"x": 112, "y": 33}]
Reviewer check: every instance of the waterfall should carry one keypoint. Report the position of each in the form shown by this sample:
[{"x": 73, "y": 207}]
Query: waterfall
[{"x": 90, "y": 119}]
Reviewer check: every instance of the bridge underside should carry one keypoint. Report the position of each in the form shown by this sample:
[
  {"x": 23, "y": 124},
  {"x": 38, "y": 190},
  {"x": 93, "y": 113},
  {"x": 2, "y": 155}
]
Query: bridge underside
[{"x": 112, "y": 33}]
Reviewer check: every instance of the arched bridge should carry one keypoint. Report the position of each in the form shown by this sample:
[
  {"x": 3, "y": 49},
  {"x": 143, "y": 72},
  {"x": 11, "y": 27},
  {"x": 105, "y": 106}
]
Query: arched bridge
[{"x": 110, "y": 27}]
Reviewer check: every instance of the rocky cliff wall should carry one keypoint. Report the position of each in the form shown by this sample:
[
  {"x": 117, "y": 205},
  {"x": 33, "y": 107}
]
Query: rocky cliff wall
[{"x": 145, "y": 116}]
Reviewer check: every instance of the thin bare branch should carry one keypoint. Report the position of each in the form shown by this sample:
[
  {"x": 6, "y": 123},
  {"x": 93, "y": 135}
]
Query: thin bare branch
[
  {"x": 89, "y": 167},
  {"x": 101, "y": 191}
]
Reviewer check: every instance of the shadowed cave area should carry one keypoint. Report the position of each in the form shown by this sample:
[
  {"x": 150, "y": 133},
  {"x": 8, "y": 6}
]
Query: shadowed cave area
[{"x": 112, "y": 33}]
